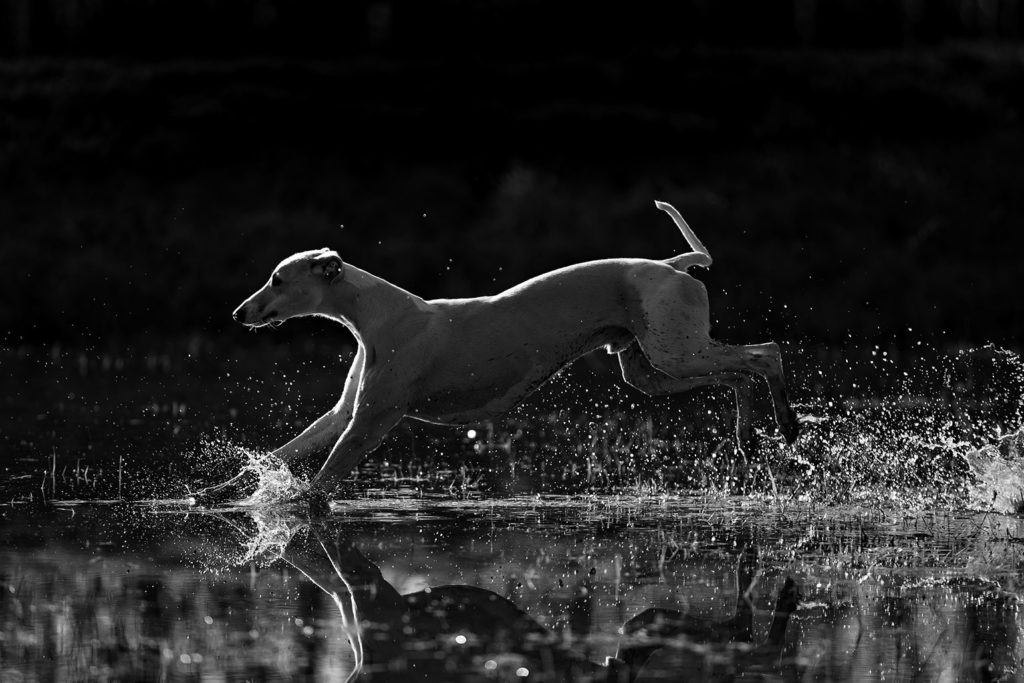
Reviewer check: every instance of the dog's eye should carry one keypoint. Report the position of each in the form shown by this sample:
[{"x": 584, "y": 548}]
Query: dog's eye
[{"x": 275, "y": 280}]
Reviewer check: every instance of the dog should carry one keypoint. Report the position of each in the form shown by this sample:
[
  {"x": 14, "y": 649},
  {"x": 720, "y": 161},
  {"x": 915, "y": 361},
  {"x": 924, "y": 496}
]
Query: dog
[{"x": 458, "y": 361}]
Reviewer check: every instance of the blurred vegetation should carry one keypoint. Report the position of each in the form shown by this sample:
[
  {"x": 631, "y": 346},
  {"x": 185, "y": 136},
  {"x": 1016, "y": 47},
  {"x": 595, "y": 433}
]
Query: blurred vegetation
[
  {"x": 218, "y": 28},
  {"x": 870, "y": 194}
]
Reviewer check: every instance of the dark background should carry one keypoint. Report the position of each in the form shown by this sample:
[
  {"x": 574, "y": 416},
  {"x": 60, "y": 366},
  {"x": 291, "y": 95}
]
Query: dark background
[{"x": 854, "y": 167}]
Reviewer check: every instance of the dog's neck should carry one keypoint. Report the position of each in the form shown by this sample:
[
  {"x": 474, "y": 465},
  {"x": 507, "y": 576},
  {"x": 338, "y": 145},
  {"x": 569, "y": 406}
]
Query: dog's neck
[{"x": 365, "y": 303}]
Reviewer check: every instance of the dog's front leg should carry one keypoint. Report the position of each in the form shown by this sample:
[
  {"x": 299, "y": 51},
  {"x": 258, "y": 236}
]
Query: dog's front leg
[
  {"x": 329, "y": 426},
  {"x": 324, "y": 431},
  {"x": 376, "y": 414}
]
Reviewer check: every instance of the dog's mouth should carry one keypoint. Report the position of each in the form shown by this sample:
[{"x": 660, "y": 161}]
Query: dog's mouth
[{"x": 267, "y": 320}]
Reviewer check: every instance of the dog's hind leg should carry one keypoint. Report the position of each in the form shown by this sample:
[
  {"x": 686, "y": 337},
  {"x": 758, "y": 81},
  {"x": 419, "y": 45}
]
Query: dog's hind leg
[
  {"x": 638, "y": 372},
  {"x": 675, "y": 339},
  {"x": 714, "y": 359},
  {"x": 766, "y": 360}
]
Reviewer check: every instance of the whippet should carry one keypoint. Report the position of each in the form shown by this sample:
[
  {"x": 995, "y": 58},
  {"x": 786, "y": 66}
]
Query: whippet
[{"x": 457, "y": 361}]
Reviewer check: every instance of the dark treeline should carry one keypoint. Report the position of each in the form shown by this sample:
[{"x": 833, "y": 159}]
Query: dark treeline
[
  {"x": 217, "y": 29},
  {"x": 150, "y": 180}
]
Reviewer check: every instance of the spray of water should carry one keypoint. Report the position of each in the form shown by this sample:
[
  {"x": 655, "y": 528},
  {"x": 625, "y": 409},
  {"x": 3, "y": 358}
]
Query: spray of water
[
  {"x": 922, "y": 429},
  {"x": 275, "y": 483},
  {"x": 920, "y": 435}
]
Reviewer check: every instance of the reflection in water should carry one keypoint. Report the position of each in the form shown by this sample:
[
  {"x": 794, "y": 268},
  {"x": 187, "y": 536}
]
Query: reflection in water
[
  {"x": 601, "y": 590},
  {"x": 469, "y": 633}
]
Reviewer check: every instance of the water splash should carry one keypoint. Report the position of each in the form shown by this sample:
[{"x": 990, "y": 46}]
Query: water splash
[
  {"x": 895, "y": 427},
  {"x": 275, "y": 482},
  {"x": 920, "y": 436}
]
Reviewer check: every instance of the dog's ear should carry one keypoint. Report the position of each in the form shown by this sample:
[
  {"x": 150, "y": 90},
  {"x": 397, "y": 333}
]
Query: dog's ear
[{"x": 329, "y": 266}]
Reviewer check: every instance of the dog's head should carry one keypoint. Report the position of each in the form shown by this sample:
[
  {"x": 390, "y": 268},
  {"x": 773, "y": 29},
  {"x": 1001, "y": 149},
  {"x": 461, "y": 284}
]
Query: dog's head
[{"x": 296, "y": 288}]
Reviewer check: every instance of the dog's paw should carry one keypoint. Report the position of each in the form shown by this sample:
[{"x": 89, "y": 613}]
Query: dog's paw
[
  {"x": 790, "y": 431},
  {"x": 236, "y": 488},
  {"x": 792, "y": 427},
  {"x": 316, "y": 502}
]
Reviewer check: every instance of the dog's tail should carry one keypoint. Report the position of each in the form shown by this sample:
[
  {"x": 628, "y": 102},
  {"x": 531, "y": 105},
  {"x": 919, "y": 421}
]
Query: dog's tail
[{"x": 699, "y": 256}]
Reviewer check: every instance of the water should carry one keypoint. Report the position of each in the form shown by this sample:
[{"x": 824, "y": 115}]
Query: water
[
  {"x": 409, "y": 588},
  {"x": 138, "y": 423},
  {"x": 869, "y": 551}
]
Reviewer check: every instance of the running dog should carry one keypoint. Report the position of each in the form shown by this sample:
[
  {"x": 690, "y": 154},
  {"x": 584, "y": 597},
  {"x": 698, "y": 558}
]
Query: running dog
[{"x": 457, "y": 361}]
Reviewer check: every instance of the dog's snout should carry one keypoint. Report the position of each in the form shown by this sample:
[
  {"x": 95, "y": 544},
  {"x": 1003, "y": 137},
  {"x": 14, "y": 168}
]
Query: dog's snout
[{"x": 237, "y": 315}]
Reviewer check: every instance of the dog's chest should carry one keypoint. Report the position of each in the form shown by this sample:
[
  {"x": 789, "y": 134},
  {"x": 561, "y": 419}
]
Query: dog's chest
[{"x": 465, "y": 393}]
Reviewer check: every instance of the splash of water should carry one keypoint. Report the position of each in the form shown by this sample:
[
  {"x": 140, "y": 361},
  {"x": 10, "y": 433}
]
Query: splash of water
[
  {"x": 919, "y": 435},
  {"x": 907, "y": 429},
  {"x": 275, "y": 482}
]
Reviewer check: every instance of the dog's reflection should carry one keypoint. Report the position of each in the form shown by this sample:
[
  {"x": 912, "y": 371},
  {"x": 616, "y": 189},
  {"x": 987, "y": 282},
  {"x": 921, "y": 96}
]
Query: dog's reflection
[{"x": 464, "y": 633}]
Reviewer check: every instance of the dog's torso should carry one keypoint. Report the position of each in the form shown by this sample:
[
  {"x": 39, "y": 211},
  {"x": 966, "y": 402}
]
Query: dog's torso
[{"x": 511, "y": 343}]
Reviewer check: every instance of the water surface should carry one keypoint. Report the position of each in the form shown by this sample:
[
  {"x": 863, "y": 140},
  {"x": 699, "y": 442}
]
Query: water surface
[{"x": 406, "y": 587}]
